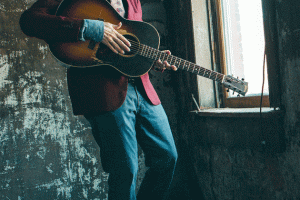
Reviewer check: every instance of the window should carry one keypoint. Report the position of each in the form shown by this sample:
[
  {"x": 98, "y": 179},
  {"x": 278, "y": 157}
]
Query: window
[{"x": 241, "y": 43}]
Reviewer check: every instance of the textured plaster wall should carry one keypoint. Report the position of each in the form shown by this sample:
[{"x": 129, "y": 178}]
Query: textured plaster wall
[
  {"x": 45, "y": 151},
  {"x": 289, "y": 41}
]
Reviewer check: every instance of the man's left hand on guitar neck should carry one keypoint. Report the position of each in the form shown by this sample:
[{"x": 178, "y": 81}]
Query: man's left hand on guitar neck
[{"x": 161, "y": 66}]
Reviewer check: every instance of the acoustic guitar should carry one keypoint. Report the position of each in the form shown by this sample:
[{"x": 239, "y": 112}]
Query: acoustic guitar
[{"x": 144, "y": 40}]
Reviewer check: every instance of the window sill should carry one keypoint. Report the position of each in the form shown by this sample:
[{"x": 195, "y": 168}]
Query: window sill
[{"x": 239, "y": 112}]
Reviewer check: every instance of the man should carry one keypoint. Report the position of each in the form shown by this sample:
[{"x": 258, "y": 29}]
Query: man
[{"x": 122, "y": 111}]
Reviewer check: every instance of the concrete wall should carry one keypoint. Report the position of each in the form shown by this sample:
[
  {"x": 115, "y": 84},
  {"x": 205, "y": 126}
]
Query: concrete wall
[{"x": 46, "y": 151}]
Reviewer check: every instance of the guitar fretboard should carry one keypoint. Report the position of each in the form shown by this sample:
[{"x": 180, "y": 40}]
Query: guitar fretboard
[{"x": 155, "y": 54}]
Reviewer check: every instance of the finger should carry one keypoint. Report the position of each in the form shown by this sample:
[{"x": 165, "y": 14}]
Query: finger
[
  {"x": 110, "y": 46},
  {"x": 113, "y": 45},
  {"x": 167, "y": 65},
  {"x": 123, "y": 42},
  {"x": 116, "y": 46},
  {"x": 170, "y": 67},
  {"x": 173, "y": 67},
  {"x": 122, "y": 45},
  {"x": 118, "y": 26},
  {"x": 160, "y": 64},
  {"x": 168, "y": 52}
]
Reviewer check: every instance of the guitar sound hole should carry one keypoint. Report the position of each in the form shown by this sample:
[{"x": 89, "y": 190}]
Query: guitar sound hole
[{"x": 135, "y": 45}]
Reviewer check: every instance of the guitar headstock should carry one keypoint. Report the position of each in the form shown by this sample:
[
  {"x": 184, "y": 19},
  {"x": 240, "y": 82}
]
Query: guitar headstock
[{"x": 235, "y": 84}]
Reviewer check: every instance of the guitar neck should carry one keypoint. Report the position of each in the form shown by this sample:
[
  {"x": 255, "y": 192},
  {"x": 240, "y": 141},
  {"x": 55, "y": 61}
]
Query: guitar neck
[{"x": 155, "y": 54}]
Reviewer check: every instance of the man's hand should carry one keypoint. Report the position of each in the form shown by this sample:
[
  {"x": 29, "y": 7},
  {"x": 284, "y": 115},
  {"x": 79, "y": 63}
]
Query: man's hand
[
  {"x": 164, "y": 65},
  {"x": 114, "y": 40}
]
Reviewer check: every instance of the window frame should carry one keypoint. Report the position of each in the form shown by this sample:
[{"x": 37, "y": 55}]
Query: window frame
[{"x": 232, "y": 102}]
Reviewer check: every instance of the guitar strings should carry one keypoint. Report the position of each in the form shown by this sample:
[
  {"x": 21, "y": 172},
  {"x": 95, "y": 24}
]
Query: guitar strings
[
  {"x": 186, "y": 64},
  {"x": 154, "y": 53}
]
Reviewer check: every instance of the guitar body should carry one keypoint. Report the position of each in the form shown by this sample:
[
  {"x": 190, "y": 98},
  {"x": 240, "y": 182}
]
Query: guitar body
[{"x": 91, "y": 54}]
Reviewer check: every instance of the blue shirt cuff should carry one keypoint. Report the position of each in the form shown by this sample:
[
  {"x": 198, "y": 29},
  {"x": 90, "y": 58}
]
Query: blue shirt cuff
[{"x": 92, "y": 30}]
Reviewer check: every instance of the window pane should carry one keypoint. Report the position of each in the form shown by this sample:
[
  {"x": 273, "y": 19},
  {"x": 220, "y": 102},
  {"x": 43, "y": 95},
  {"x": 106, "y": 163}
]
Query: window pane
[{"x": 244, "y": 42}]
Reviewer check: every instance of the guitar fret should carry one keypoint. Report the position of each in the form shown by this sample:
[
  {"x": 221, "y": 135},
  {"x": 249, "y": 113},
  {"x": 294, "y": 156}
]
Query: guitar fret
[
  {"x": 213, "y": 75},
  {"x": 220, "y": 78},
  {"x": 171, "y": 62},
  {"x": 142, "y": 52},
  {"x": 158, "y": 55},
  {"x": 162, "y": 59},
  {"x": 210, "y": 74},
  {"x": 189, "y": 66},
  {"x": 184, "y": 64},
  {"x": 149, "y": 52},
  {"x": 193, "y": 68},
  {"x": 175, "y": 61},
  {"x": 216, "y": 77},
  {"x": 147, "y": 49},
  {"x": 203, "y": 72},
  {"x": 167, "y": 58},
  {"x": 155, "y": 54},
  {"x": 147, "y": 55},
  {"x": 140, "y": 49},
  {"x": 207, "y": 74},
  {"x": 197, "y": 69},
  {"x": 177, "y": 64},
  {"x": 152, "y": 53}
]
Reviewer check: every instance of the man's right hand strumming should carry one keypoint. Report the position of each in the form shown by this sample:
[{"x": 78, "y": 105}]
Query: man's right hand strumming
[
  {"x": 114, "y": 40},
  {"x": 106, "y": 33}
]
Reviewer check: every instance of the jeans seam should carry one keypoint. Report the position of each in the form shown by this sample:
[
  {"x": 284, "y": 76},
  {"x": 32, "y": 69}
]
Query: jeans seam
[{"x": 138, "y": 99}]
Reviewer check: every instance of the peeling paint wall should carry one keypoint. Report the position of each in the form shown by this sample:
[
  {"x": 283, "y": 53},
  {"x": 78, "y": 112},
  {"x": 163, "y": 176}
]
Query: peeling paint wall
[{"x": 46, "y": 151}]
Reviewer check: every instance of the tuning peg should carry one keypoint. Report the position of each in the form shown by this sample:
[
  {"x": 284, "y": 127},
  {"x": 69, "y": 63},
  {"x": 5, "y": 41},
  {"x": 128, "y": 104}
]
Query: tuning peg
[
  {"x": 233, "y": 93},
  {"x": 227, "y": 90},
  {"x": 238, "y": 95},
  {"x": 243, "y": 79}
]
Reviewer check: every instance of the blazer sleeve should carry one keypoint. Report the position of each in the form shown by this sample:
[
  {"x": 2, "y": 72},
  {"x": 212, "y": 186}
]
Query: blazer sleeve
[{"x": 41, "y": 22}]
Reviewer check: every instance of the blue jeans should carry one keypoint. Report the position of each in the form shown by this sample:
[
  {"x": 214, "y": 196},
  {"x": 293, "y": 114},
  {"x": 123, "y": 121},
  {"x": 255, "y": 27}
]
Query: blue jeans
[{"x": 118, "y": 133}]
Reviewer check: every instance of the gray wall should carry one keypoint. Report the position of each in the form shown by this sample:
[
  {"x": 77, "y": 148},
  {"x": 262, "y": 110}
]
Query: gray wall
[
  {"x": 46, "y": 151},
  {"x": 244, "y": 156}
]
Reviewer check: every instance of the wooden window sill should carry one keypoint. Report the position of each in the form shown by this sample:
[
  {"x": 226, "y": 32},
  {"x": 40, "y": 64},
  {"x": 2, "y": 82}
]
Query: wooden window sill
[{"x": 239, "y": 112}]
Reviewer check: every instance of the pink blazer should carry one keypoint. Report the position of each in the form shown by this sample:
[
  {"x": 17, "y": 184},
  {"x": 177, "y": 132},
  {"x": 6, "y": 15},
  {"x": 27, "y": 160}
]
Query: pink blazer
[{"x": 91, "y": 90}]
